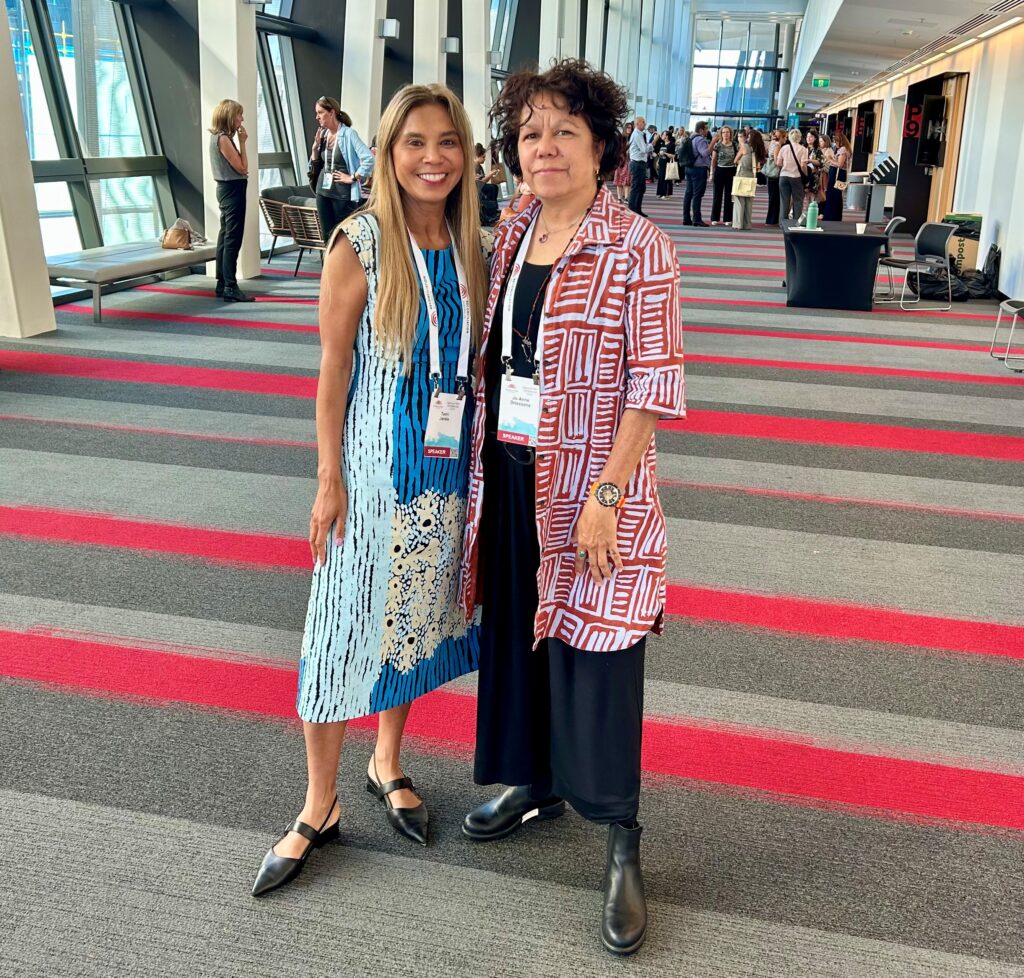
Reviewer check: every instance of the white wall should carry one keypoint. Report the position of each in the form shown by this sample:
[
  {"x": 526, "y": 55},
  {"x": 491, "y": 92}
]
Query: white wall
[
  {"x": 817, "y": 20},
  {"x": 990, "y": 176}
]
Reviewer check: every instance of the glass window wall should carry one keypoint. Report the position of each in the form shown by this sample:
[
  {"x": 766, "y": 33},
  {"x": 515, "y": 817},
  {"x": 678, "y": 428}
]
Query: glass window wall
[
  {"x": 127, "y": 208},
  {"x": 82, "y": 92},
  {"x": 92, "y": 64},
  {"x": 735, "y": 75},
  {"x": 57, "y": 218}
]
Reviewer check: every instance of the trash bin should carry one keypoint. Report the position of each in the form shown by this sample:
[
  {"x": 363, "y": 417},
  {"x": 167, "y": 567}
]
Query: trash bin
[{"x": 857, "y": 192}]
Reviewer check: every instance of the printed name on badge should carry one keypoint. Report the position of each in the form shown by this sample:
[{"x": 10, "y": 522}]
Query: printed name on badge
[
  {"x": 444, "y": 425},
  {"x": 519, "y": 410}
]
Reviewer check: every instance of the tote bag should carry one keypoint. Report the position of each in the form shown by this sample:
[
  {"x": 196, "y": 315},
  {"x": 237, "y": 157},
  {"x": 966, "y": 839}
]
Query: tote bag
[
  {"x": 744, "y": 186},
  {"x": 672, "y": 170}
]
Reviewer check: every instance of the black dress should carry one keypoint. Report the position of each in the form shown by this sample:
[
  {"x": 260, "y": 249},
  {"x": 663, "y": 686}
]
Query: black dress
[{"x": 567, "y": 722}]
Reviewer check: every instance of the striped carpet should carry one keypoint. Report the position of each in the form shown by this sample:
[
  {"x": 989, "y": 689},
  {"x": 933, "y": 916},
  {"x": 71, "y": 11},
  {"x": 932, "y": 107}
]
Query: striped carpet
[{"x": 834, "y": 748}]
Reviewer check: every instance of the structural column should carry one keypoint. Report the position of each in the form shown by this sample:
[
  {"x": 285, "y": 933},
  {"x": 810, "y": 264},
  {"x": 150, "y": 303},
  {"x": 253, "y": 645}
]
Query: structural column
[
  {"x": 559, "y": 30},
  {"x": 476, "y": 66},
  {"x": 786, "y": 78},
  {"x": 594, "y": 47},
  {"x": 227, "y": 69},
  {"x": 362, "y": 68},
  {"x": 429, "y": 26},
  {"x": 26, "y": 308}
]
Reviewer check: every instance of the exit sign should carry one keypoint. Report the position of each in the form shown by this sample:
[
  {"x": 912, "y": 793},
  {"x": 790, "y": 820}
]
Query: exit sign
[
  {"x": 821, "y": 81},
  {"x": 801, "y": 105}
]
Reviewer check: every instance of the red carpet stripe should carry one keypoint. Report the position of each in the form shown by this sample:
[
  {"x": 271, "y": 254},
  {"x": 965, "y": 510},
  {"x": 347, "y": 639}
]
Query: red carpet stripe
[
  {"x": 844, "y": 368},
  {"x": 782, "y": 334},
  {"x": 850, "y": 434},
  {"x": 815, "y": 497},
  {"x": 129, "y": 371},
  {"x": 778, "y": 613},
  {"x": 882, "y": 311},
  {"x": 755, "y": 761},
  {"x": 224, "y": 546},
  {"x": 210, "y": 294},
  {"x": 840, "y": 620},
  {"x": 168, "y": 317},
  {"x": 717, "y": 423}
]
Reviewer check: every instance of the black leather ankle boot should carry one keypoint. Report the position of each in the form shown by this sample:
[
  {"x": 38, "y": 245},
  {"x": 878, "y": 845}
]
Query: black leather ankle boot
[
  {"x": 501, "y": 816},
  {"x": 624, "y": 923}
]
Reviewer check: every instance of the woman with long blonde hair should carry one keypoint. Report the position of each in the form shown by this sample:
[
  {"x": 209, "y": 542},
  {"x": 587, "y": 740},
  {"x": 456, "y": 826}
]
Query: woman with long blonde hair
[{"x": 401, "y": 308}]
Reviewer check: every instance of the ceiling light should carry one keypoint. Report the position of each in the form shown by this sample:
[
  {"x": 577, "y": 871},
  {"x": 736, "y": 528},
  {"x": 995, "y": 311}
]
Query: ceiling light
[
  {"x": 962, "y": 45},
  {"x": 930, "y": 60},
  {"x": 1001, "y": 27}
]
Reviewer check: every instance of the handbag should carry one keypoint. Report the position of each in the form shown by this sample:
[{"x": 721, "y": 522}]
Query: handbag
[
  {"x": 770, "y": 168},
  {"x": 838, "y": 184},
  {"x": 176, "y": 238},
  {"x": 315, "y": 168},
  {"x": 672, "y": 170},
  {"x": 744, "y": 186}
]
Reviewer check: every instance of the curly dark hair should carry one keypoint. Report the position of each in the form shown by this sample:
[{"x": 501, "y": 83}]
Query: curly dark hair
[{"x": 589, "y": 93}]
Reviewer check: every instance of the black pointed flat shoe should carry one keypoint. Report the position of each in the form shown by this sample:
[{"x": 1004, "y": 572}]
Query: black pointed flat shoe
[
  {"x": 413, "y": 823},
  {"x": 277, "y": 871}
]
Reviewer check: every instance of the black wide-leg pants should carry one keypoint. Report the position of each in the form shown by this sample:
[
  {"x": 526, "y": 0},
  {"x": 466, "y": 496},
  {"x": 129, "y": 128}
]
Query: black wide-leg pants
[{"x": 565, "y": 721}]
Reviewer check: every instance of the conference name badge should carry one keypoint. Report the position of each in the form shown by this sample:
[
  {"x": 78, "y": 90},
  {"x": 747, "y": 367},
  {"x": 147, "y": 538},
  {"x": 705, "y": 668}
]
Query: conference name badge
[
  {"x": 444, "y": 425},
  {"x": 519, "y": 410},
  {"x": 328, "y": 179}
]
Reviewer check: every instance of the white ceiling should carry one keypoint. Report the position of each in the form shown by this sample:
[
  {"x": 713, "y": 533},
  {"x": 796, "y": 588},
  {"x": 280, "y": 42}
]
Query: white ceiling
[{"x": 867, "y": 36}]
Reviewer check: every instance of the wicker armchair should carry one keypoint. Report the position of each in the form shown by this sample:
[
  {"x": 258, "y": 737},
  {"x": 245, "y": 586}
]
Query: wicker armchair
[{"x": 304, "y": 224}]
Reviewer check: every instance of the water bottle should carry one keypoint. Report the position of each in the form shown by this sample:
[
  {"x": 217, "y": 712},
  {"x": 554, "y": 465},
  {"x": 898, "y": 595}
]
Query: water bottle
[{"x": 812, "y": 215}]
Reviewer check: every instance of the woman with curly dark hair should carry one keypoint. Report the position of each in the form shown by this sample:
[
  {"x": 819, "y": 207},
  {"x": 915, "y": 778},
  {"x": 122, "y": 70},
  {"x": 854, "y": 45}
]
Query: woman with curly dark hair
[{"x": 565, "y": 541}]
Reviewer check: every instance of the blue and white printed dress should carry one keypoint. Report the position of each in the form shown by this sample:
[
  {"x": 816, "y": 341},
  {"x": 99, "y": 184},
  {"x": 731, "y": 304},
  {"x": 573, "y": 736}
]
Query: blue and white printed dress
[{"x": 383, "y": 624}]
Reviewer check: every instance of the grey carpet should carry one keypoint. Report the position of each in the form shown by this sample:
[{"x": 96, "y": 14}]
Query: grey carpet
[{"x": 131, "y": 830}]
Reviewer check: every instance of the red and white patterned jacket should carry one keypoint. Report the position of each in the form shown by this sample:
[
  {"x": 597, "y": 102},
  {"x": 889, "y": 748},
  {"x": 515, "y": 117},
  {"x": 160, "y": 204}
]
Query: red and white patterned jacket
[{"x": 613, "y": 340}]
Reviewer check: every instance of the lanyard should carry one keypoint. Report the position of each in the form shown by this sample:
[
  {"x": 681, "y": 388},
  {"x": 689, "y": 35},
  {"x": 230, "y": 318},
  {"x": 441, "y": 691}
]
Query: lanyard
[
  {"x": 334, "y": 146},
  {"x": 462, "y": 374},
  {"x": 506, "y": 309}
]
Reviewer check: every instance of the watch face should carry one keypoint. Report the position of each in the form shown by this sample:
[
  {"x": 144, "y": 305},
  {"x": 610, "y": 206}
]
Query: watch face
[{"x": 608, "y": 494}]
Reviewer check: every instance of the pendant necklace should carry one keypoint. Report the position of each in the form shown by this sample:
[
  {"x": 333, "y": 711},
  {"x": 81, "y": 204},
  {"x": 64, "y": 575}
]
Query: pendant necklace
[{"x": 548, "y": 231}]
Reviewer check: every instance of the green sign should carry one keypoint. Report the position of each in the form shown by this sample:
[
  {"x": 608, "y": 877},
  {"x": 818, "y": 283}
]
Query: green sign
[
  {"x": 821, "y": 81},
  {"x": 801, "y": 105}
]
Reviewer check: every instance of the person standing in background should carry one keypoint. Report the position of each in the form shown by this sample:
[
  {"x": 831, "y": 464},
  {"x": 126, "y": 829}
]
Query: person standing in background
[
  {"x": 791, "y": 157},
  {"x": 815, "y": 188},
  {"x": 838, "y": 159},
  {"x": 621, "y": 177},
  {"x": 638, "y": 153},
  {"x": 666, "y": 155},
  {"x": 723, "y": 169},
  {"x": 230, "y": 165},
  {"x": 771, "y": 175},
  {"x": 749, "y": 160},
  {"x": 347, "y": 164},
  {"x": 697, "y": 176}
]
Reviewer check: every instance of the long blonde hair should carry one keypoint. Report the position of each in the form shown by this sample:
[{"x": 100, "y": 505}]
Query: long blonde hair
[
  {"x": 224, "y": 115},
  {"x": 398, "y": 288}
]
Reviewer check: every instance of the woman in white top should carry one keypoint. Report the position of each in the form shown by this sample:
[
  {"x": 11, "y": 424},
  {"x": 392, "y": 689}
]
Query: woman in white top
[{"x": 791, "y": 158}]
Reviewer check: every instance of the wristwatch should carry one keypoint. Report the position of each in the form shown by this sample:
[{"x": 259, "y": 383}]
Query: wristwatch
[{"x": 608, "y": 494}]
